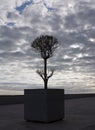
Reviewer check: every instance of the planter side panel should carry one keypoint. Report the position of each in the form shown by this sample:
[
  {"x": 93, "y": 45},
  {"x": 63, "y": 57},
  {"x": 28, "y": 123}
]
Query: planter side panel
[
  {"x": 56, "y": 105},
  {"x": 35, "y": 107}
]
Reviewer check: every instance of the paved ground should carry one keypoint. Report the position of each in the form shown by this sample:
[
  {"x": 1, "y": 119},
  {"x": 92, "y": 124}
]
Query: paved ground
[{"x": 79, "y": 115}]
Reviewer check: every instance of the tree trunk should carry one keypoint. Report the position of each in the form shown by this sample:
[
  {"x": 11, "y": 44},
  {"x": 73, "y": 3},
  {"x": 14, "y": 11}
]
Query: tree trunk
[{"x": 45, "y": 74}]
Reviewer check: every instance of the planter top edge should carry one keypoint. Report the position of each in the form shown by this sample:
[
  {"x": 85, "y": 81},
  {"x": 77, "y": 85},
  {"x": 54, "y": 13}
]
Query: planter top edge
[{"x": 45, "y": 89}]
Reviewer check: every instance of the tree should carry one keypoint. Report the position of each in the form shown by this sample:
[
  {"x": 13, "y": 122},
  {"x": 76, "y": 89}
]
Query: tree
[{"x": 45, "y": 45}]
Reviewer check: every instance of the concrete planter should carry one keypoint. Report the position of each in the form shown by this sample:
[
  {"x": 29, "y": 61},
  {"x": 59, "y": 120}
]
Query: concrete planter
[{"x": 43, "y": 105}]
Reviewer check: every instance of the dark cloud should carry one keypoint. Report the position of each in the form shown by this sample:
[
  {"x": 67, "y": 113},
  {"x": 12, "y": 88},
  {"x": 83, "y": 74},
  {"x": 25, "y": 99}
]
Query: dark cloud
[{"x": 71, "y": 22}]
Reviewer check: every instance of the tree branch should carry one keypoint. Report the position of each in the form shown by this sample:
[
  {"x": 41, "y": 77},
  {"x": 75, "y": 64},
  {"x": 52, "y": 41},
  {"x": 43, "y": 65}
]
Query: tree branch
[
  {"x": 51, "y": 74},
  {"x": 40, "y": 73}
]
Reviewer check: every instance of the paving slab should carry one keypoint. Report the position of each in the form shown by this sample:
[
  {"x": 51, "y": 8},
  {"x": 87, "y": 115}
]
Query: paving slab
[{"x": 79, "y": 115}]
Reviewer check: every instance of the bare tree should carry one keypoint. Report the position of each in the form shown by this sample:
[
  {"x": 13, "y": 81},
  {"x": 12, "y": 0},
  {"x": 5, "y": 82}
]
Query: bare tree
[{"x": 45, "y": 45}]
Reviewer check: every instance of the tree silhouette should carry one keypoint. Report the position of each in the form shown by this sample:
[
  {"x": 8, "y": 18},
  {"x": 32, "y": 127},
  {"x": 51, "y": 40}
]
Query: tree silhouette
[{"x": 45, "y": 45}]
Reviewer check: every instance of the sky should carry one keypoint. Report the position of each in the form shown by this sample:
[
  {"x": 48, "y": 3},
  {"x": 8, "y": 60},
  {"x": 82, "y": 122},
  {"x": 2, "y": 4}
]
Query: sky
[{"x": 72, "y": 22}]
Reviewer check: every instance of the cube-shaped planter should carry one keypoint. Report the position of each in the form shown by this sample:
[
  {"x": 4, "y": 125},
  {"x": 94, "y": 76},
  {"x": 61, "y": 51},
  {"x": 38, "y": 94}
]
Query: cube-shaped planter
[{"x": 43, "y": 105}]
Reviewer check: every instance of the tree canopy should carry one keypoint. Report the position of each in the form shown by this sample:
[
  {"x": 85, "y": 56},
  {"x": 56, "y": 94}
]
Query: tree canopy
[{"x": 45, "y": 45}]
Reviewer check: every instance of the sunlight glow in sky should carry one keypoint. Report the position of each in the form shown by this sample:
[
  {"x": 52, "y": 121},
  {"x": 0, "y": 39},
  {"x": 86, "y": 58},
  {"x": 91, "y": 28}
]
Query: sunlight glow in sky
[{"x": 72, "y": 22}]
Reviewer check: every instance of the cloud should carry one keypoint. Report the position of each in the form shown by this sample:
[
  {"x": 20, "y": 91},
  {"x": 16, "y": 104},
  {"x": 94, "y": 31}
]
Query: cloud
[{"x": 72, "y": 22}]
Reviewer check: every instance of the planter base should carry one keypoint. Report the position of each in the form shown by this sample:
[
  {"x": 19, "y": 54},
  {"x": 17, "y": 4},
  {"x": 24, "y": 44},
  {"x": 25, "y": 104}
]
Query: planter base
[{"x": 42, "y": 105}]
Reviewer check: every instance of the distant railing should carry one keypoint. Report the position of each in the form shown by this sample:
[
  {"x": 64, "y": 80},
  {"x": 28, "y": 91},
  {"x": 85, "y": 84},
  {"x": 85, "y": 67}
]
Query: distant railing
[
  {"x": 16, "y": 99},
  {"x": 19, "y": 99},
  {"x": 74, "y": 96}
]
